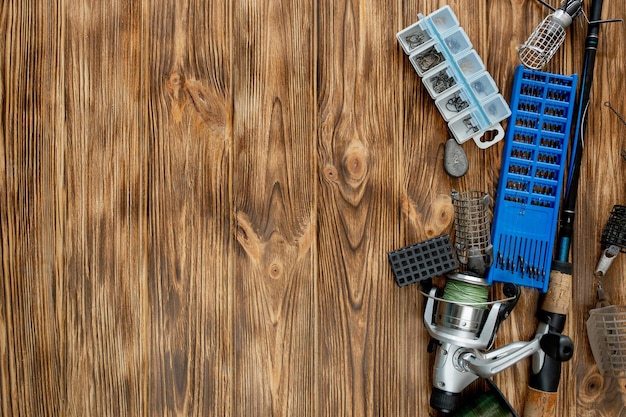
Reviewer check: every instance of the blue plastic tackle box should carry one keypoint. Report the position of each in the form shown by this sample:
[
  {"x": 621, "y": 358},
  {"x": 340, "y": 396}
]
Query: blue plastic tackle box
[{"x": 526, "y": 208}]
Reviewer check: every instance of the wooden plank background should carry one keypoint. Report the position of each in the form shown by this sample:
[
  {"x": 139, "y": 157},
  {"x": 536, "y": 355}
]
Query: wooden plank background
[{"x": 197, "y": 199}]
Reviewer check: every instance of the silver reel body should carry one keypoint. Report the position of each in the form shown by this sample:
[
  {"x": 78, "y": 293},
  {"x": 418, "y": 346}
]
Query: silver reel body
[{"x": 464, "y": 335}]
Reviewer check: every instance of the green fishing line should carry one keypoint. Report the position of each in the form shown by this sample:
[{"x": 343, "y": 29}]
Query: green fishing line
[{"x": 464, "y": 292}]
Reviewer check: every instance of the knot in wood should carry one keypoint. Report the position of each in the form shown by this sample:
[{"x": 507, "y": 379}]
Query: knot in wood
[
  {"x": 330, "y": 173},
  {"x": 275, "y": 270},
  {"x": 355, "y": 162},
  {"x": 175, "y": 80},
  {"x": 445, "y": 215},
  {"x": 175, "y": 83},
  {"x": 592, "y": 387},
  {"x": 441, "y": 215}
]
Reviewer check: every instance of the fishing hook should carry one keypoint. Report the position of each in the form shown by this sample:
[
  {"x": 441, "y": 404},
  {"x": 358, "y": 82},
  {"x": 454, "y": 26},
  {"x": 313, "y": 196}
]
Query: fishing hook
[{"x": 621, "y": 118}]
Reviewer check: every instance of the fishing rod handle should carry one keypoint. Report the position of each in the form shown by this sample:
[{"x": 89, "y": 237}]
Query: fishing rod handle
[
  {"x": 542, "y": 394},
  {"x": 539, "y": 403},
  {"x": 557, "y": 299}
]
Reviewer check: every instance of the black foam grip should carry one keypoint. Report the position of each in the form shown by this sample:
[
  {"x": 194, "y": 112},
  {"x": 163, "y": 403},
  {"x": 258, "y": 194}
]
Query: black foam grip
[{"x": 547, "y": 379}]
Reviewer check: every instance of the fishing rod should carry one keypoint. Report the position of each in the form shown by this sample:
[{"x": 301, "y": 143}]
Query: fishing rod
[
  {"x": 546, "y": 371},
  {"x": 571, "y": 191}
]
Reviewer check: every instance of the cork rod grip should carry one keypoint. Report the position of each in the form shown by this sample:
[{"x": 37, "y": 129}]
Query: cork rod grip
[
  {"x": 539, "y": 403},
  {"x": 559, "y": 295}
]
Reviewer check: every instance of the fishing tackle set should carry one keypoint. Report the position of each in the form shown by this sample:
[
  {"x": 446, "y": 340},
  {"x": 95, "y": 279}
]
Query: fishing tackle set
[{"x": 528, "y": 245}]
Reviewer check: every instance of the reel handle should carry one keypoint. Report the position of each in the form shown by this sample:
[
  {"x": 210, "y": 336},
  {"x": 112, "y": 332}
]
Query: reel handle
[{"x": 557, "y": 346}]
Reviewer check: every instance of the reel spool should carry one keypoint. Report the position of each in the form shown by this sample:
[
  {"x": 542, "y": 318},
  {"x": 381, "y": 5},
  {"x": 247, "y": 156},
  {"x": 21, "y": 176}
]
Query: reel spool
[
  {"x": 463, "y": 305},
  {"x": 463, "y": 314}
]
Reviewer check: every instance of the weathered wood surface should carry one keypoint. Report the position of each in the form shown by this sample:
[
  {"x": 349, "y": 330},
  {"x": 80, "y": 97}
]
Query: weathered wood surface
[{"x": 197, "y": 199}]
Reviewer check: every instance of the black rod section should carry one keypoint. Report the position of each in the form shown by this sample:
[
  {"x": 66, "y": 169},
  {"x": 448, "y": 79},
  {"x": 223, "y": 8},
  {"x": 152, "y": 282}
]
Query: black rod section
[{"x": 566, "y": 225}]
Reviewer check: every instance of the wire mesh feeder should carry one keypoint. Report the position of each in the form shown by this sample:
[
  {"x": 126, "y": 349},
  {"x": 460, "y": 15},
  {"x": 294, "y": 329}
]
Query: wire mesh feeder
[
  {"x": 614, "y": 232},
  {"x": 542, "y": 44},
  {"x": 606, "y": 328},
  {"x": 472, "y": 230},
  {"x": 613, "y": 239}
]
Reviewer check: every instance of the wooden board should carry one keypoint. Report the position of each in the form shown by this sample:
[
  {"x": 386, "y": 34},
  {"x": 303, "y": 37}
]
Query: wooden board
[{"x": 197, "y": 200}]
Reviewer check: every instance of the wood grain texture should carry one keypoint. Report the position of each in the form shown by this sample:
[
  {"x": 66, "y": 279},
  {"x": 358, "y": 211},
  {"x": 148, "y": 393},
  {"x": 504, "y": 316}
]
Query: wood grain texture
[
  {"x": 197, "y": 199},
  {"x": 32, "y": 302},
  {"x": 102, "y": 244},
  {"x": 603, "y": 185},
  {"x": 358, "y": 199},
  {"x": 190, "y": 228},
  {"x": 274, "y": 192}
]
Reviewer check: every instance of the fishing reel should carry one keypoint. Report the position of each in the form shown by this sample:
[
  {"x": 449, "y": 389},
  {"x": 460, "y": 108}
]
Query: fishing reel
[{"x": 463, "y": 327}]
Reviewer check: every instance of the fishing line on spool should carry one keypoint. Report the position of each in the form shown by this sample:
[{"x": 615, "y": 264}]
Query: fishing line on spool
[
  {"x": 458, "y": 291},
  {"x": 467, "y": 294}
]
